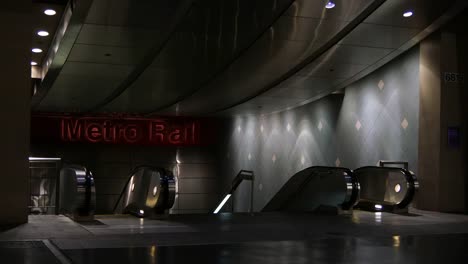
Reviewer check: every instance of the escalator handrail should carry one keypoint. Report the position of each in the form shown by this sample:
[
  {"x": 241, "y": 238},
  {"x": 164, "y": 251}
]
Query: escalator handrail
[{"x": 241, "y": 176}]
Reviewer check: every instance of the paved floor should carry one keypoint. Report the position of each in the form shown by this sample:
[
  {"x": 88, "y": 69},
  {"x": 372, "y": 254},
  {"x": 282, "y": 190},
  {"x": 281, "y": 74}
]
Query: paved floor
[
  {"x": 362, "y": 237},
  {"x": 411, "y": 249},
  {"x": 26, "y": 252}
]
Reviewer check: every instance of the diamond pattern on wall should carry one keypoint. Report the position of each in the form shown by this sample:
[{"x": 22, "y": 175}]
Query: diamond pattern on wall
[
  {"x": 337, "y": 162},
  {"x": 358, "y": 125},
  {"x": 381, "y": 85},
  {"x": 404, "y": 123}
]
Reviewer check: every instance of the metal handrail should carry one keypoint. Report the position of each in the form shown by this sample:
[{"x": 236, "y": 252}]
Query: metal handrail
[
  {"x": 382, "y": 163},
  {"x": 241, "y": 176}
]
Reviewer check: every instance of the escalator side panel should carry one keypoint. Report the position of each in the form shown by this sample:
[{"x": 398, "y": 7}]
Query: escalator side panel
[
  {"x": 323, "y": 188},
  {"x": 288, "y": 190},
  {"x": 314, "y": 187},
  {"x": 148, "y": 191},
  {"x": 386, "y": 186},
  {"x": 77, "y": 192}
]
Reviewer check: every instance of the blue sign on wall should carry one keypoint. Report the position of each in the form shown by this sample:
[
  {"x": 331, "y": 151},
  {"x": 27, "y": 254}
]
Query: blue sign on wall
[{"x": 453, "y": 137}]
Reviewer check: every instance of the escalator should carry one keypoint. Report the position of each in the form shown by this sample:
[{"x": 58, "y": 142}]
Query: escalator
[
  {"x": 77, "y": 193},
  {"x": 386, "y": 188},
  {"x": 335, "y": 189},
  {"x": 317, "y": 188},
  {"x": 148, "y": 191}
]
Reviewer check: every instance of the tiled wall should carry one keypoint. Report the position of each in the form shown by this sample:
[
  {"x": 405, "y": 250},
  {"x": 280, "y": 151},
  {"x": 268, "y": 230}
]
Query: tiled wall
[
  {"x": 376, "y": 119},
  {"x": 195, "y": 168}
]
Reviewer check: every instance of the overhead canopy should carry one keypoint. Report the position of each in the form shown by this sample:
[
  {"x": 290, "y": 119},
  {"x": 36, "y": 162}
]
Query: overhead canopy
[{"x": 199, "y": 57}]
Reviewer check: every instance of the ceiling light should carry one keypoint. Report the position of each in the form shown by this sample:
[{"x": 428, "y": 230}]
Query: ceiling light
[
  {"x": 43, "y": 33},
  {"x": 50, "y": 12},
  {"x": 33, "y": 63},
  {"x": 378, "y": 207},
  {"x": 408, "y": 13},
  {"x": 36, "y": 50},
  {"x": 132, "y": 187},
  {"x": 155, "y": 190},
  {"x": 142, "y": 212},
  {"x": 330, "y": 5}
]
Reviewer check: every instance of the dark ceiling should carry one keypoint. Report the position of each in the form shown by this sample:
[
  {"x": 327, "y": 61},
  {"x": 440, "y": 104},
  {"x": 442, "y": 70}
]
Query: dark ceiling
[{"x": 202, "y": 57}]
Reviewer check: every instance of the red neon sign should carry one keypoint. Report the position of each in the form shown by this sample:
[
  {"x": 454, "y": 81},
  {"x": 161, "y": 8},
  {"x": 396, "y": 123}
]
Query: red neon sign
[{"x": 110, "y": 130}]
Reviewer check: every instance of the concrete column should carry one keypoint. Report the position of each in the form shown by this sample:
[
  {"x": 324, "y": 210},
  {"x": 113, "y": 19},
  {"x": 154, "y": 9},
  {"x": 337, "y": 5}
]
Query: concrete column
[
  {"x": 429, "y": 124},
  {"x": 462, "y": 44},
  {"x": 15, "y": 69},
  {"x": 442, "y": 171}
]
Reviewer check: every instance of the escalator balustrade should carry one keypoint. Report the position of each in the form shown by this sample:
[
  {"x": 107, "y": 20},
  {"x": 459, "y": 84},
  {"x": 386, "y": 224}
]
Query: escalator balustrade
[
  {"x": 149, "y": 191},
  {"x": 77, "y": 193},
  {"x": 386, "y": 188},
  {"x": 315, "y": 188}
]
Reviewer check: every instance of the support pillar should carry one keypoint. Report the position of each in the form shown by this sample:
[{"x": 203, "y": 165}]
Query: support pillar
[
  {"x": 442, "y": 124},
  {"x": 15, "y": 27}
]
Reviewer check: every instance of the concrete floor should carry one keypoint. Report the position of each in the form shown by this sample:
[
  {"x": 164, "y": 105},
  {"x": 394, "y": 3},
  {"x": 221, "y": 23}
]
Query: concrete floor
[{"x": 362, "y": 237}]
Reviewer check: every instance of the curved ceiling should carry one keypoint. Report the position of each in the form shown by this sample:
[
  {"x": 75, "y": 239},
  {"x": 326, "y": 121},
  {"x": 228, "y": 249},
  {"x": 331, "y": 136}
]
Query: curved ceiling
[{"x": 198, "y": 57}]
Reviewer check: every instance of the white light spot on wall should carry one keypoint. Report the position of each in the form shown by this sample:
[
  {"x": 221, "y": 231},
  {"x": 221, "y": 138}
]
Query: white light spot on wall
[
  {"x": 358, "y": 125},
  {"x": 337, "y": 162},
  {"x": 288, "y": 127},
  {"x": 397, "y": 188},
  {"x": 261, "y": 128},
  {"x": 250, "y": 156},
  {"x": 273, "y": 158},
  {"x": 260, "y": 187},
  {"x": 381, "y": 85},
  {"x": 239, "y": 129},
  {"x": 302, "y": 160},
  {"x": 320, "y": 126},
  {"x": 404, "y": 124}
]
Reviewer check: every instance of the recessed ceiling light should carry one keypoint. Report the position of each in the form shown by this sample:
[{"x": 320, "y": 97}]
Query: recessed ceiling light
[
  {"x": 33, "y": 63},
  {"x": 50, "y": 12},
  {"x": 36, "y": 50},
  {"x": 408, "y": 13},
  {"x": 330, "y": 5},
  {"x": 43, "y": 33}
]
